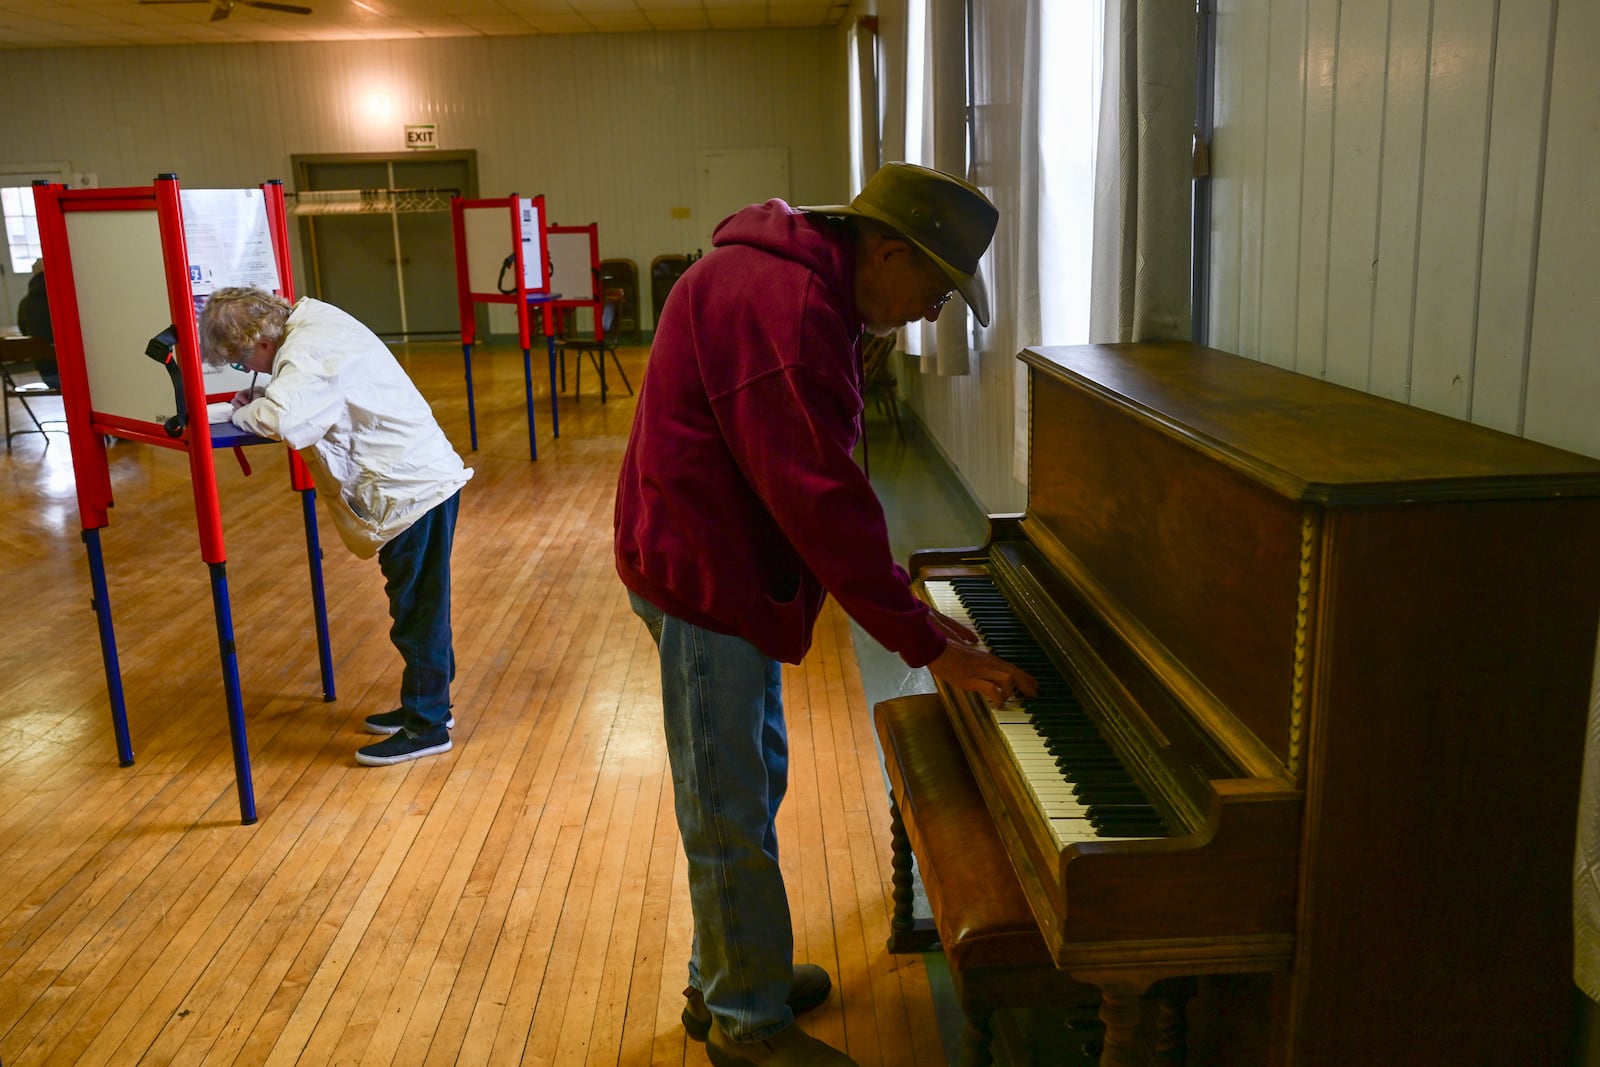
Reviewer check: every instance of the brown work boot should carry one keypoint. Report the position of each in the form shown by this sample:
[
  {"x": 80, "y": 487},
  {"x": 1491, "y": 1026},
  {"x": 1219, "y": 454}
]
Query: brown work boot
[
  {"x": 811, "y": 988},
  {"x": 791, "y": 1046}
]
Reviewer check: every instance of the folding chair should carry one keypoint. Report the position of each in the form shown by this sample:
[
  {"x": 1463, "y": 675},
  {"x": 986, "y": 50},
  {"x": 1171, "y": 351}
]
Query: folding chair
[
  {"x": 596, "y": 350},
  {"x": 19, "y": 361}
]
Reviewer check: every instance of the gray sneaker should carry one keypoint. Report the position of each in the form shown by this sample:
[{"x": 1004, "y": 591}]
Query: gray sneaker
[{"x": 792, "y": 1047}]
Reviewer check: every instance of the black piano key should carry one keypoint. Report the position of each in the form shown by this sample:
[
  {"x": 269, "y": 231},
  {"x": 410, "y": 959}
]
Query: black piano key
[
  {"x": 1109, "y": 791},
  {"x": 1142, "y": 830},
  {"x": 1116, "y": 805}
]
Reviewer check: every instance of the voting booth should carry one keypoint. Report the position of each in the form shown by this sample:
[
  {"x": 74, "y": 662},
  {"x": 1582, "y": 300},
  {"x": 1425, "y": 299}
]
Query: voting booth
[
  {"x": 502, "y": 257},
  {"x": 575, "y": 278},
  {"x": 127, "y": 271}
]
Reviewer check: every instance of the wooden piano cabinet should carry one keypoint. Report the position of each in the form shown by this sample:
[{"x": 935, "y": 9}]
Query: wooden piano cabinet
[{"x": 1393, "y": 611}]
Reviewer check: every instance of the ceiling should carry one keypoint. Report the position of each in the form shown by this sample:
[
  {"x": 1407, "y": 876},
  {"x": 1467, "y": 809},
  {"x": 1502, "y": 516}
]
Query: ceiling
[{"x": 107, "y": 23}]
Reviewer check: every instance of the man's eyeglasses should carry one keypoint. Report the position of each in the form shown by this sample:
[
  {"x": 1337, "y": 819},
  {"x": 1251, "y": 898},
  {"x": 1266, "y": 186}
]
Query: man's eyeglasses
[
  {"x": 238, "y": 366},
  {"x": 935, "y": 306}
]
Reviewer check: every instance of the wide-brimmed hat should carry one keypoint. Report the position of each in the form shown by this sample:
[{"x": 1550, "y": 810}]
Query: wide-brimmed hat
[{"x": 949, "y": 220}]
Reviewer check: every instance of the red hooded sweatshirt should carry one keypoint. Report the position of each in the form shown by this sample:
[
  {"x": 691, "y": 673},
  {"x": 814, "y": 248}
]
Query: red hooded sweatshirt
[{"x": 739, "y": 507}]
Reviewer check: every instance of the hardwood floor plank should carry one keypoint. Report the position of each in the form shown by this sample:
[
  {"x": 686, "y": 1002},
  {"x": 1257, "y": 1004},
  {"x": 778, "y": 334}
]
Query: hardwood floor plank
[{"x": 521, "y": 899}]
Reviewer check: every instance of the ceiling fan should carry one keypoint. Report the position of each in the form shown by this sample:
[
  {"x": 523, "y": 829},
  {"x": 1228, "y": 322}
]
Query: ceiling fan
[{"x": 223, "y": 8}]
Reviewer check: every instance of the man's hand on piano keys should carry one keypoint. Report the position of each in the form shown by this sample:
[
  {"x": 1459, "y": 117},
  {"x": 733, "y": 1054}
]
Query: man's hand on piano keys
[
  {"x": 965, "y": 667},
  {"x": 954, "y": 629}
]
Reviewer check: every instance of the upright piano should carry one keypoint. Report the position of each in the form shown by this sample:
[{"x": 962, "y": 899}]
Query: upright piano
[{"x": 1315, "y": 669}]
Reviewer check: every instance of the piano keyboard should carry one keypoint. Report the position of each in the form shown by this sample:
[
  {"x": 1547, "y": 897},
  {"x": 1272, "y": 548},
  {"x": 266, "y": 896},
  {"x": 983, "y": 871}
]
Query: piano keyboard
[{"x": 1075, "y": 777}]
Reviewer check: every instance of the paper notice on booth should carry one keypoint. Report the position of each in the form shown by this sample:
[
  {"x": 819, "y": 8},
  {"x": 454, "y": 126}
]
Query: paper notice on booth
[{"x": 228, "y": 240}]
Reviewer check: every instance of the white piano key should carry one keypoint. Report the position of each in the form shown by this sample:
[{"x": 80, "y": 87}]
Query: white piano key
[{"x": 1052, "y": 794}]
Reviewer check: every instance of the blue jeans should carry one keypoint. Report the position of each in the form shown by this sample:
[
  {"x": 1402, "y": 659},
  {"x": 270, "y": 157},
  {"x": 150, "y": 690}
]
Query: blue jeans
[
  {"x": 416, "y": 575},
  {"x": 722, "y": 701}
]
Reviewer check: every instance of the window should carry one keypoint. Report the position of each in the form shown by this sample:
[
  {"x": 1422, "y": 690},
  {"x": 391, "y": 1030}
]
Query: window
[
  {"x": 22, "y": 228},
  {"x": 1069, "y": 105}
]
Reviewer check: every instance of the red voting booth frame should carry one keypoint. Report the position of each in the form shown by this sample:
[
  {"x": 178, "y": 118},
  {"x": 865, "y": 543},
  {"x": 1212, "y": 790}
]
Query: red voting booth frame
[
  {"x": 573, "y": 296},
  {"x": 89, "y": 427},
  {"x": 520, "y": 298}
]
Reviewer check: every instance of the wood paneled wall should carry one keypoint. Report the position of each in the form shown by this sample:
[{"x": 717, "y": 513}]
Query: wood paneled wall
[
  {"x": 1406, "y": 201},
  {"x": 607, "y": 126}
]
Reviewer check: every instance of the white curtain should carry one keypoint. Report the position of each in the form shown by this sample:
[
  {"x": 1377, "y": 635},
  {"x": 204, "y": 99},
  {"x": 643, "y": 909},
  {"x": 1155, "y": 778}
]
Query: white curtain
[
  {"x": 1145, "y": 166},
  {"x": 936, "y": 136},
  {"x": 866, "y": 153},
  {"x": 1035, "y": 71},
  {"x": 1009, "y": 165},
  {"x": 948, "y": 23}
]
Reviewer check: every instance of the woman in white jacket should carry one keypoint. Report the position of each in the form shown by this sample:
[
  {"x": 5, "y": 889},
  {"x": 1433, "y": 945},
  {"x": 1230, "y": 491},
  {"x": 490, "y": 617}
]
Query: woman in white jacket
[{"x": 387, "y": 471}]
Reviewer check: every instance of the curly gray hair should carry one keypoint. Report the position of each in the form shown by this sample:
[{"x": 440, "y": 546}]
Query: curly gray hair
[{"x": 234, "y": 319}]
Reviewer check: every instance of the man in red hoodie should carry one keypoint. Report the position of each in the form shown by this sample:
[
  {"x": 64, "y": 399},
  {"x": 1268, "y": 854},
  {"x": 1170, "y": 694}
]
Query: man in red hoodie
[{"x": 739, "y": 507}]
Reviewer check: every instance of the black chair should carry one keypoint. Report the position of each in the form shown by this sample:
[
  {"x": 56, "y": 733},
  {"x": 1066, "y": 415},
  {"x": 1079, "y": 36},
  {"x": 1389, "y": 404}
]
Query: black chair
[
  {"x": 878, "y": 381},
  {"x": 623, "y": 275},
  {"x": 596, "y": 350},
  {"x": 664, "y": 274},
  {"x": 20, "y": 358}
]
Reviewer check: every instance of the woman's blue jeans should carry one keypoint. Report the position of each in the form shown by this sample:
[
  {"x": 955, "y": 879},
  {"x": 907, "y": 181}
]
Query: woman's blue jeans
[
  {"x": 416, "y": 575},
  {"x": 722, "y": 701}
]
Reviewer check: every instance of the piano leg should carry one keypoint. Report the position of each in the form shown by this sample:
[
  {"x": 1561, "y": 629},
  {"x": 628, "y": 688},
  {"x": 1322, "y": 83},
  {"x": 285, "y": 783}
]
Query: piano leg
[
  {"x": 905, "y": 933},
  {"x": 1122, "y": 1012},
  {"x": 1171, "y": 1037},
  {"x": 976, "y": 1038}
]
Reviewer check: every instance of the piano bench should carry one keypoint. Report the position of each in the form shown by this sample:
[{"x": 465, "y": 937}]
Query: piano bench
[{"x": 991, "y": 941}]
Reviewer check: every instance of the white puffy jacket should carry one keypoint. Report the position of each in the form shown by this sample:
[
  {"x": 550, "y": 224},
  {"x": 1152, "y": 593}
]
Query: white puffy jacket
[{"x": 339, "y": 398}]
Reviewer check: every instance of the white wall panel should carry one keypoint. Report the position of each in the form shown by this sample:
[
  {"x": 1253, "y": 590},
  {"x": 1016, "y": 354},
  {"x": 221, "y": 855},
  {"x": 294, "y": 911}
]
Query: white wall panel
[
  {"x": 1250, "y": 130},
  {"x": 1400, "y": 190},
  {"x": 1428, "y": 180},
  {"x": 1283, "y": 154},
  {"x": 606, "y": 126},
  {"x": 1564, "y": 359},
  {"x": 1450, "y": 226},
  {"x": 1356, "y": 178},
  {"x": 1238, "y": 107},
  {"x": 1511, "y": 216},
  {"x": 1316, "y": 179}
]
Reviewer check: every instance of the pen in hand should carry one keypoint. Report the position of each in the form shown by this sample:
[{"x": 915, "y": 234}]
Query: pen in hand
[{"x": 244, "y": 396}]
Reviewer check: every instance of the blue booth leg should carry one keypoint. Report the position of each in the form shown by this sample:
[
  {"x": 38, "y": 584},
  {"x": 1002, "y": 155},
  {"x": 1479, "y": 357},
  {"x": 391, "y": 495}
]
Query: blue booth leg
[
  {"x": 230, "y": 684},
  {"x": 108, "y": 647}
]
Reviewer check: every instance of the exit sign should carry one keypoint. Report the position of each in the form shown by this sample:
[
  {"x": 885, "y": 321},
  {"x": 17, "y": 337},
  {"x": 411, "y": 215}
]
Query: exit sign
[{"x": 422, "y": 136}]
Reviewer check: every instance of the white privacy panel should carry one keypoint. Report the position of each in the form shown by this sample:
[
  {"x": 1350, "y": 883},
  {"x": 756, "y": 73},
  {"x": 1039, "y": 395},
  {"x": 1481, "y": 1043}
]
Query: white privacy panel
[
  {"x": 571, "y": 266},
  {"x": 487, "y": 234},
  {"x": 122, "y": 303}
]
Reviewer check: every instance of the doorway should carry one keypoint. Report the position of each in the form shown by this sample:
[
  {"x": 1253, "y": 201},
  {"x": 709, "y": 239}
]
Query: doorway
[
  {"x": 387, "y": 260},
  {"x": 733, "y": 178}
]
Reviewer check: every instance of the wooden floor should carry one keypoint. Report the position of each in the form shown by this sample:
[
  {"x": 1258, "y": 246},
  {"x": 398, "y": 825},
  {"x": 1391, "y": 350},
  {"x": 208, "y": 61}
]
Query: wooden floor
[{"x": 521, "y": 899}]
